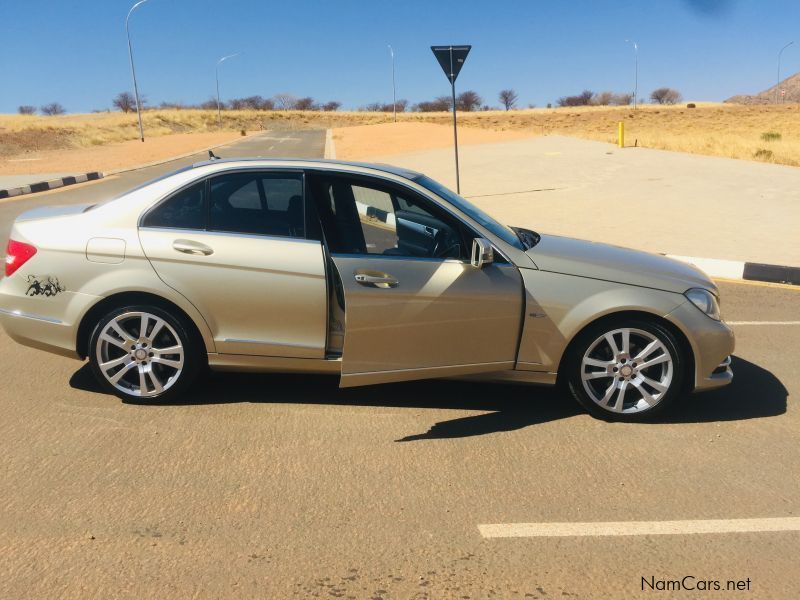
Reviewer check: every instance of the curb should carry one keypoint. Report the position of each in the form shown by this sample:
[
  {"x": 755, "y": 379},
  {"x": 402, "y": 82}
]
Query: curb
[
  {"x": 747, "y": 271},
  {"x": 43, "y": 186}
]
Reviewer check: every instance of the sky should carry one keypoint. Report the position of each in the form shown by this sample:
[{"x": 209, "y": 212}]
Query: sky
[{"x": 75, "y": 52}]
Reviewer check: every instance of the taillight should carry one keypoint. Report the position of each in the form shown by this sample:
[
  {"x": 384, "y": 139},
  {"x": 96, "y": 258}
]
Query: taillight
[{"x": 17, "y": 255}]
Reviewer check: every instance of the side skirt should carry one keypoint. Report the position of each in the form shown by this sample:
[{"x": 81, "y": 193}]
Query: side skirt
[
  {"x": 530, "y": 377},
  {"x": 275, "y": 364}
]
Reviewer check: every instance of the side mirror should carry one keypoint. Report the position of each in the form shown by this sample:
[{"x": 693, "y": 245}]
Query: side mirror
[{"x": 482, "y": 253}]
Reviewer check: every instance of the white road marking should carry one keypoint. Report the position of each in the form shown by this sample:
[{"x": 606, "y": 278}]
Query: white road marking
[
  {"x": 622, "y": 528},
  {"x": 735, "y": 323}
]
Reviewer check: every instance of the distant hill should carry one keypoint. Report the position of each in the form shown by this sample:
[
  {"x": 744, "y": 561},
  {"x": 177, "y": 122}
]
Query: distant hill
[{"x": 790, "y": 84}]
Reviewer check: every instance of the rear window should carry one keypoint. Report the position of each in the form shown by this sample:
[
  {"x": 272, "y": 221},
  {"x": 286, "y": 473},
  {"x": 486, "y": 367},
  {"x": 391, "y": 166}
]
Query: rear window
[
  {"x": 258, "y": 203},
  {"x": 184, "y": 210}
]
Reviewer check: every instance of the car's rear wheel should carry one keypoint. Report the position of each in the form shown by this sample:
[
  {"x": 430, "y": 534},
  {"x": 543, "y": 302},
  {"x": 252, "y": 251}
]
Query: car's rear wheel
[
  {"x": 144, "y": 353},
  {"x": 626, "y": 370}
]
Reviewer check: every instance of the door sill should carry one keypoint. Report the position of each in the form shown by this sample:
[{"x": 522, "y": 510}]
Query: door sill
[{"x": 370, "y": 378}]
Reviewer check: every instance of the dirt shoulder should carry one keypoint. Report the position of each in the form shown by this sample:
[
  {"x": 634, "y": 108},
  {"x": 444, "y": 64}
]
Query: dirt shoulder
[
  {"x": 110, "y": 157},
  {"x": 368, "y": 141}
]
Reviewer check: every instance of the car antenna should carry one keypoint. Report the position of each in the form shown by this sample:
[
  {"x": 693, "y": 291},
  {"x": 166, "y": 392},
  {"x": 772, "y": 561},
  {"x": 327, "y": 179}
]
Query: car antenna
[{"x": 212, "y": 156}]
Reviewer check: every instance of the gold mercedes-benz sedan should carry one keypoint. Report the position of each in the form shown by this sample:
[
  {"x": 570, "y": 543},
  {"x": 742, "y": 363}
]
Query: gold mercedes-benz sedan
[{"x": 370, "y": 272}]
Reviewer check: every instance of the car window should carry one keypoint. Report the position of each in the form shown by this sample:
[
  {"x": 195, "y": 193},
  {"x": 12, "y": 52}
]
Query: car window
[
  {"x": 502, "y": 231},
  {"x": 184, "y": 210},
  {"x": 246, "y": 197},
  {"x": 257, "y": 203},
  {"x": 361, "y": 218}
]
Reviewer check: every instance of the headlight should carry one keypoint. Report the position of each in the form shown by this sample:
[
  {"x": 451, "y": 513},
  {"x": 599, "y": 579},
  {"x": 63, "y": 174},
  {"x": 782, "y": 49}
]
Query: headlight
[{"x": 705, "y": 301}]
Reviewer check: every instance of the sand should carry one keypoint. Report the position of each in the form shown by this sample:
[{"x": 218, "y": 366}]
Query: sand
[
  {"x": 367, "y": 141},
  {"x": 113, "y": 156}
]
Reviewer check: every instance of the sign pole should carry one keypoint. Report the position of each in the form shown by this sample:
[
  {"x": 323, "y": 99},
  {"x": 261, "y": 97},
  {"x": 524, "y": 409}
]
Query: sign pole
[
  {"x": 455, "y": 123},
  {"x": 451, "y": 59}
]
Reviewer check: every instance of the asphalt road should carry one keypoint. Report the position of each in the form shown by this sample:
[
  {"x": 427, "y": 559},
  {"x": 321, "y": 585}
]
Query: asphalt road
[{"x": 285, "y": 486}]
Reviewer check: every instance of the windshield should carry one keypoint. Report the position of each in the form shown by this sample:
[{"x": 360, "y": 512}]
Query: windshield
[{"x": 503, "y": 232}]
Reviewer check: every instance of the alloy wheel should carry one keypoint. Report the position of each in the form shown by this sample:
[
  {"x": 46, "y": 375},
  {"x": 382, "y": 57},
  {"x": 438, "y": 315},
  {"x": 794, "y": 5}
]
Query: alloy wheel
[
  {"x": 140, "y": 354},
  {"x": 627, "y": 370}
]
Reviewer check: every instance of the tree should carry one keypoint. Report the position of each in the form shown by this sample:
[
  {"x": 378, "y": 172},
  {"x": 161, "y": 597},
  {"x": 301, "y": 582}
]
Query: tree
[
  {"x": 603, "y": 98},
  {"x": 468, "y": 101},
  {"x": 210, "y": 104},
  {"x": 285, "y": 101},
  {"x": 440, "y": 104},
  {"x": 665, "y": 95},
  {"x": 622, "y": 99},
  {"x": 251, "y": 103},
  {"x": 52, "y": 109},
  {"x": 124, "y": 101},
  {"x": 508, "y": 98},
  {"x": 306, "y": 103},
  {"x": 582, "y": 99},
  {"x": 331, "y": 106},
  {"x": 400, "y": 106},
  {"x": 259, "y": 103},
  {"x": 26, "y": 109}
]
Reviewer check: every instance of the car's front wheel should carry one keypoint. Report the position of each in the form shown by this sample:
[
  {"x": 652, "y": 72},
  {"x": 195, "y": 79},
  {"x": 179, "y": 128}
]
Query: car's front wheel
[
  {"x": 143, "y": 353},
  {"x": 625, "y": 370}
]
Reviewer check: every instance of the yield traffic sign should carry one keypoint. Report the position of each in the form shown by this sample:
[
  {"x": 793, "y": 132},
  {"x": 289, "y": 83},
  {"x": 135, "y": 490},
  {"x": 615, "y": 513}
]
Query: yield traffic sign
[{"x": 451, "y": 58}]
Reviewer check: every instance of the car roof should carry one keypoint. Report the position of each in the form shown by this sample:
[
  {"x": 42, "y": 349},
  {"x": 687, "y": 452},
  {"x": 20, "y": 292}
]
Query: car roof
[{"x": 310, "y": 163}]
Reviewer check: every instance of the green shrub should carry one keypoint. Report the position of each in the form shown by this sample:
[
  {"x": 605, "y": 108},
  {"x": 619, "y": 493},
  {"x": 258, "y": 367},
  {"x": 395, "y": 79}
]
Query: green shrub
[
  {"x": 771, "y": 136},
  {"x": 763, "y": 154}
]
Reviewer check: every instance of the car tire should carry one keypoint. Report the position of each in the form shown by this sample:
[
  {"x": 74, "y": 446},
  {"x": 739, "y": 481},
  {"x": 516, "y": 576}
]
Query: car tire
[
  {"x": 625, "y": 370},
  {"x": 163, "y": 360}
]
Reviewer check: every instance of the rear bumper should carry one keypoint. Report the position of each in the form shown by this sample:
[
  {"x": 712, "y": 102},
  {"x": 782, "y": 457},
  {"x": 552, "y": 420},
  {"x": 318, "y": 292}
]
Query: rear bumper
[
  {"x": 40, "y": 332},
  {"x": 46, "y": 323}
]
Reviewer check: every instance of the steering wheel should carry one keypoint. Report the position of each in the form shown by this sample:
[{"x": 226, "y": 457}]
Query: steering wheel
[{"x": 443, "y": 243}]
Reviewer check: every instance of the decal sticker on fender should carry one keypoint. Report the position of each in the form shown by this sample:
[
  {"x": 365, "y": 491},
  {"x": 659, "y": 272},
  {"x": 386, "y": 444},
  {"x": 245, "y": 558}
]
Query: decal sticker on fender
[{"x": 44, "y": 286}]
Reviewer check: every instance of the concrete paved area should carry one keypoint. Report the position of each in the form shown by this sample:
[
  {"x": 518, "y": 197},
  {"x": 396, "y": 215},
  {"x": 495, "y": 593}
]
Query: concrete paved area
[
  {"x": 278, "y": 486},
  {"x": 653, "y": 200},
  {"x": 298, "y": 144}
]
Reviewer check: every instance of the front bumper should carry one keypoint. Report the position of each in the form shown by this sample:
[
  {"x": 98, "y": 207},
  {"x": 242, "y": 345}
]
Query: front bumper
[
  {"x": 719, "y": 377},
  {"x": 712, "y": 344}
]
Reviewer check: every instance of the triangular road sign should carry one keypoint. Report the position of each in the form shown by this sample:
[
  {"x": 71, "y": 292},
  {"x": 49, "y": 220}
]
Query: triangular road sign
[{"x": 451, "y": 58}]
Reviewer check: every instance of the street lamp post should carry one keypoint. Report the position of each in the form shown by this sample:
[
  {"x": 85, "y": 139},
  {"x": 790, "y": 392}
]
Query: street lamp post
[
  {"x": 133, "y": 70},
  {"x": 216, "y": 73},
  {"x": 394, "y": 92},
  {"x": 778, "y": 84},
  {"x": 635, "y": 72}
]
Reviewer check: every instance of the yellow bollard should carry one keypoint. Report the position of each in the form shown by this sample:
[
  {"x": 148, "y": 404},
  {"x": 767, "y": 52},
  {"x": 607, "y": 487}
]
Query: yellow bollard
[{"x": 621, "y": 134}]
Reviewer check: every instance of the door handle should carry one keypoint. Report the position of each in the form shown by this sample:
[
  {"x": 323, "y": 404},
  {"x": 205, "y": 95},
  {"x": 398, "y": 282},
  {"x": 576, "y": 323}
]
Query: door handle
[
  {"x": 190, "y": 247},
  {"x": 376, "y": 280}
]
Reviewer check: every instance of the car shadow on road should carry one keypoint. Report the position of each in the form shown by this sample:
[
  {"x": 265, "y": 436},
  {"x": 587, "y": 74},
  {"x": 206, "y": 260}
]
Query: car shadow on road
[{"x": 754, "y": 393}]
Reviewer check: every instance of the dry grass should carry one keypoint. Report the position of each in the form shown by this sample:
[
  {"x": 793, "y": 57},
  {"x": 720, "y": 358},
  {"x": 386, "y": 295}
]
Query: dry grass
[
  {"x": 20, "y": 134},
  {"x": 727, "y": 130},
  {"x": 731, "y": 131}
]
